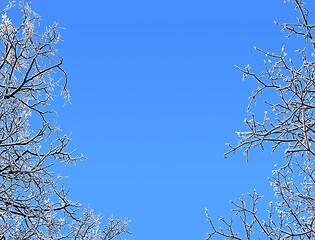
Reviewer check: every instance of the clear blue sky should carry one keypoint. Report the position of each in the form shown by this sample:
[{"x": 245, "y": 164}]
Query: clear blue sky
[{"x": 155, "y": 97}]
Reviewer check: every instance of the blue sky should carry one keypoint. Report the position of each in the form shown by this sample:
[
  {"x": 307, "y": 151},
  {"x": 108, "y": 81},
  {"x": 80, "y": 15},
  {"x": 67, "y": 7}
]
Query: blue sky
[{"x": 155, "y": 97}]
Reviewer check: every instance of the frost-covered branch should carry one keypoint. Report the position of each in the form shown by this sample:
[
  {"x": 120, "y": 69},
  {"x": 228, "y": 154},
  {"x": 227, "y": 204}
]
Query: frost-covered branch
[
  {"x": 290, "y": 128},
  {"x": 34, "y": 202}
]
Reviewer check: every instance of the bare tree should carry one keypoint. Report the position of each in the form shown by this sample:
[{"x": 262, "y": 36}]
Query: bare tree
[
  {"x": 33, "y": 201},
  {"x": 290, "y": 129}
]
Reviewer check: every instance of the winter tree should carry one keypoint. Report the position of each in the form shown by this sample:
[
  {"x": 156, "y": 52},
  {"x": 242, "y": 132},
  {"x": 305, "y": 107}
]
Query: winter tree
[
  {"x": 33, "y": 200},
  {"x": 289, "y": 128}
]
